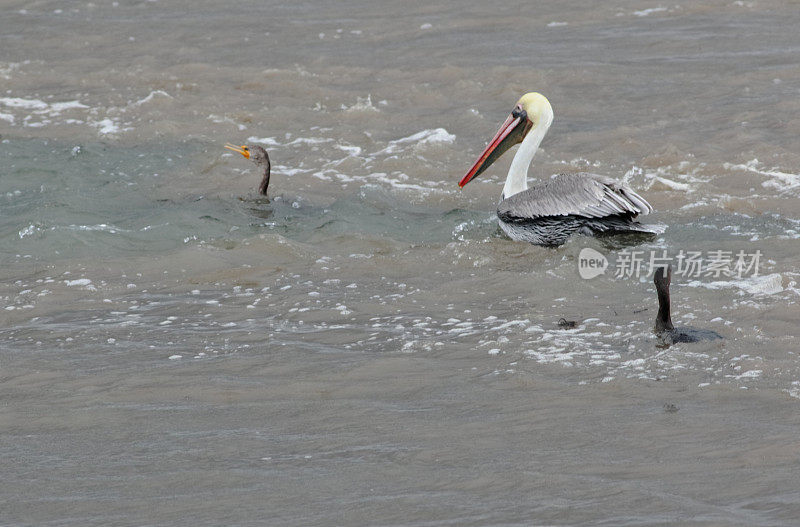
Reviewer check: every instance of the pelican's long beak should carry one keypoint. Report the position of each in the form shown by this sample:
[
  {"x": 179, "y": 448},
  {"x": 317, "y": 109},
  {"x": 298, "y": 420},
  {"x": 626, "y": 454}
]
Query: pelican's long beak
[
  {"x": 241, "y": 149},
  {"x": 512, "y": 131}
]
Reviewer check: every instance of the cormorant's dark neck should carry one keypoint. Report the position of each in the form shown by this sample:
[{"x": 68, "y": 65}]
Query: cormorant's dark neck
[
  {"x": 663, "y": 319},
  {"x": 262, "y": 188}
]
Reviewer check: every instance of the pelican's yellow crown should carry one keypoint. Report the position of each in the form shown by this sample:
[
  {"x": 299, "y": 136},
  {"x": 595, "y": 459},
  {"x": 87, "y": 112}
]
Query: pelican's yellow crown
[{"x": 536, "y": 105}]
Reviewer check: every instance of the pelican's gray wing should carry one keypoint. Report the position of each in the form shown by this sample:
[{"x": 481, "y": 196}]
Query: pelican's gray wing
[{"x": 587, "y": 195}]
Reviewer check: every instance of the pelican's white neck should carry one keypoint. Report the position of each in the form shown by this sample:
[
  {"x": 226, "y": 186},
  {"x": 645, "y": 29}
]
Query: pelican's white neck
[{"x": 517, "y": 179}]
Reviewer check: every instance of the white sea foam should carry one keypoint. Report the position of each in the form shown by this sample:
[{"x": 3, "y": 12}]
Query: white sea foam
[
  {"x": 58, "y": 107},
  {"x": 650, "y": 11},
  {"x": 42, "y": 114},
  {"x": 309, "y": 141},
  {"x": 220, "y": 119},
  {"x": 106, "y": 126},
  {"x": 425, "y": 137},
  {"x": 661, "y": 183},
  {"x": 152, "y": 96},
  {"x": 269, "y": 141},
  {"x": 28, "y": 231},
  {"x": 26, "y": 104},
  {"x": 79, "y": 282},
  {"x": 755, "y": 285},
  {"x": 750, "y": 374},
  {"x": 781, "y": 181},
  {"x": 435, "y": 135},
  {"x": 342, "y": 309},
  {"x": 398, "y": 182},
  {"x": 351, "y": 150},
  {"x": 361, "y": 105},
  {"x": 99, "y": 227},
  {"x": 38, "y": 108}
]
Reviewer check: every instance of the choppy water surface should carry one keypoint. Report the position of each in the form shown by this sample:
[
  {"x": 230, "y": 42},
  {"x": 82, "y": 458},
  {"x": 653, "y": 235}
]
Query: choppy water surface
[{"x": 365, "y": 347}]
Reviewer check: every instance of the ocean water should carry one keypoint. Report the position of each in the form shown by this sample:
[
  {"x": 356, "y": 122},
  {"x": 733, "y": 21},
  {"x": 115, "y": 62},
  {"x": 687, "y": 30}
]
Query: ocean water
[{"x": 365, "y": 347}]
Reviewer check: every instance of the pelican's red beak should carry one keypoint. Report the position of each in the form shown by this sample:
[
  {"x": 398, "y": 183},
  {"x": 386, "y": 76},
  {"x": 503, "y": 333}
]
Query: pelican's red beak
[{"x": 511, "y": 132}]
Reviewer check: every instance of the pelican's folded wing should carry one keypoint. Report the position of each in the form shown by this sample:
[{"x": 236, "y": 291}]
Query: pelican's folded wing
[{"x": 587, "y": 195}]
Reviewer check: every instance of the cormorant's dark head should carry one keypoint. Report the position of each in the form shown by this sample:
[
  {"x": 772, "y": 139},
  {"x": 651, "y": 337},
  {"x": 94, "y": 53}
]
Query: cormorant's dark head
[
  {"x": 257, "y": 155},
  {"x": 661, "y": 279}
]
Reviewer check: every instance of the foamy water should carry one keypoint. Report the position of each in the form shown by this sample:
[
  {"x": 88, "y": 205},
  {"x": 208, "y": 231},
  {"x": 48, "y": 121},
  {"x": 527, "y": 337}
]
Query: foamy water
[{"x": 365, "y": 347}]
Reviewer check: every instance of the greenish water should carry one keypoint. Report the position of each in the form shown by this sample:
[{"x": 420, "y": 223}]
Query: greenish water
[{"x": 365, "y": 347}]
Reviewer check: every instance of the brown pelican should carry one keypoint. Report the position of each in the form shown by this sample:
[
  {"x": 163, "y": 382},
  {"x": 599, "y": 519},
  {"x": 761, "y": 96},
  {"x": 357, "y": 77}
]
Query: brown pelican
[
  {"x": 548, "y": 214},
  {"x": 666, "y": 332},
  {"x": 260, "y": 157}
]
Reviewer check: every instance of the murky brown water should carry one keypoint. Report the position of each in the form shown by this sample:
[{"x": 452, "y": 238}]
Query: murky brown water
[{"x": 367, "y": 348}]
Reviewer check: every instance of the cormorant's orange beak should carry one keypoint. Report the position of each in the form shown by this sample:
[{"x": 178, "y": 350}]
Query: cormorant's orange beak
[{"x": 241, "y": 149}]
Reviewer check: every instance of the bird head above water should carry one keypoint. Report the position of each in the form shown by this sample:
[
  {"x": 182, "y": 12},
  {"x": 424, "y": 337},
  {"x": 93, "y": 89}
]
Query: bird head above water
[
  {"x": 530, "y": 119},
  {"x": 666, "y": 332},
  {"x": 259, "y": 156}
]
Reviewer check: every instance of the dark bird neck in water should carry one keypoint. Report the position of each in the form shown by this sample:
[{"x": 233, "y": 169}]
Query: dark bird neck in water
[
  {"x": 663, "y": 319},
  {"x": 259, "y": 156},
  {"x": 262, "y": 187},
  {"x": 668, "y": 333}
]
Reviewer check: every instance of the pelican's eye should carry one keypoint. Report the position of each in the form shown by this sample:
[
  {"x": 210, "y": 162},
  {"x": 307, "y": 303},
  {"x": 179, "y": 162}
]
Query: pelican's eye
[{"x": 245, "y": 149}]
